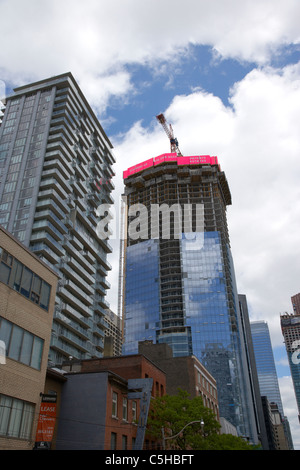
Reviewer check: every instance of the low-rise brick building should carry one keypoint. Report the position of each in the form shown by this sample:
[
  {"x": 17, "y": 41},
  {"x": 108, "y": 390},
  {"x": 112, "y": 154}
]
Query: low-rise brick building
[
  {"x": 27, "y": 296},
  {"x": 185, "y": 372},
  {"x": 96, "y": 411}
]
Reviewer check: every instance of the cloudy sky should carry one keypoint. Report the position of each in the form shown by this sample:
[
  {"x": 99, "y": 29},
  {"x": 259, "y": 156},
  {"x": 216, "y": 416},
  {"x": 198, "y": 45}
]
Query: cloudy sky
[{"x": 226, "y": 74}]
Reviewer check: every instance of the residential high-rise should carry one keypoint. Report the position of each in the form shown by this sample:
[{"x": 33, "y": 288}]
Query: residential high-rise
[
  {"x": 179, "y": 277},
  {"x": 55, "y": 170},
  {"x": 290, "y": 327}
]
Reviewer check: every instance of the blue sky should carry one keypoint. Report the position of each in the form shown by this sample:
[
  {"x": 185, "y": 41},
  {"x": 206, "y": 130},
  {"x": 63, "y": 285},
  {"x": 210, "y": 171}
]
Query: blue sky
[{"x": 226, "y": 74}]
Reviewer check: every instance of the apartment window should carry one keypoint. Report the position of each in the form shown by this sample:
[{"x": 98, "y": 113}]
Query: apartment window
[
  {"x": 113, "y": 441},
  {"x": 114, "y": 405},
  {"x": 21, "y": 345},
  {"x": 124, "y": 442},
  {"x": 16, "y": 417},
  {"x": 134, "y": 411},
  {"x": 125, "y": 410}
]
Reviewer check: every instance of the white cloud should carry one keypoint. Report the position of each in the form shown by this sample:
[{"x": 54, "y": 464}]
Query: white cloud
[
  {"x": 258, "y": 146},
  {"x": 96, "y": 39}
]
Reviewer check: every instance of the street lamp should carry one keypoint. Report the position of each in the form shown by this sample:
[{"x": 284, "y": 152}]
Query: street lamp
[{"x": 173, "y": 437}]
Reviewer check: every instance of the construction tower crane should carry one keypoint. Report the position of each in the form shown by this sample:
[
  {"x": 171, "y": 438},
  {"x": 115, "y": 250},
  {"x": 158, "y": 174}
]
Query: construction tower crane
[{"x": 169, "y": 131}]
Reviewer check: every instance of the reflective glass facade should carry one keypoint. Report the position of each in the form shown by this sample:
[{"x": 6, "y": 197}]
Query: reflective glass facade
[
  {"x": 183, "y": 291},
  {"x": 142, "y": 294},
  {"x": 265, "y": 363}
]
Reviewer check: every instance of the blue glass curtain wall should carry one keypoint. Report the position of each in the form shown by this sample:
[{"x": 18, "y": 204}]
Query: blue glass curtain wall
[{"x": 141, "y": 294}]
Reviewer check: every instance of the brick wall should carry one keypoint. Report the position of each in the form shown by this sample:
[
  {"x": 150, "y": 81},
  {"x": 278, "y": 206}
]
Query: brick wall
[{"x": 18, "y": 380}]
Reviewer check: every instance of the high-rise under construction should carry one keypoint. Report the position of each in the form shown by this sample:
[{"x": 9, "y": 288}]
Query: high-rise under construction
[{"x": 179, "y": 282}]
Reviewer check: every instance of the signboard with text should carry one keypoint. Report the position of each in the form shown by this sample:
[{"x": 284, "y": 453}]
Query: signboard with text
[{"x": 46, "y": 422}]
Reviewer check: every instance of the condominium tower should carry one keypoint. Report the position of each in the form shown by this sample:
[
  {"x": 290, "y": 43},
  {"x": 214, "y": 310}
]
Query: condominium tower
[
  {"x": 55, "y": 170},
  {"x": 179, "y": 284}
]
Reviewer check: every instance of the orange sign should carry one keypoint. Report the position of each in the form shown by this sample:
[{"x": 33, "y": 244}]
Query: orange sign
[{"x": 46, "y": 423}]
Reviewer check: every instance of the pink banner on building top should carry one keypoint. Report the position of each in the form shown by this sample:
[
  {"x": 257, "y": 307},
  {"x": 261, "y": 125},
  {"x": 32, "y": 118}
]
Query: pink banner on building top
[
  {"x": 168, "y": 157},
  {"x": 165, "y": 157}
]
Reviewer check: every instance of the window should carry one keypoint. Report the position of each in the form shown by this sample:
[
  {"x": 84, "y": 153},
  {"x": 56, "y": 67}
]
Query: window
[
  {"x": 114, "y": 405},
  {"x": 134, "y": 411},
  {"x": 113, "y": 441},
  {"x": 23, "y": 280},
  {"x": 16, "y": 417},
  {"x": 124, "y": 442},
  {"x": 26, "y": 281},
  {"x": 4, "y": 273},
  {"x": 125, "y": 414},
  {"x": 45, "y": 295}
]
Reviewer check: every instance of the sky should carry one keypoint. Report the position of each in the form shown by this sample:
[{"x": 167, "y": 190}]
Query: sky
[{"x": 226, "y": 74}]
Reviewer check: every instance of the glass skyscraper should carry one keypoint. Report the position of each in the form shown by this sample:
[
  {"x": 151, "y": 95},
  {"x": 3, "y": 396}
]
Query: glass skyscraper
[
  {"x": 179, "y": 284},
  {"x": 290, "y": 327},
  {"x": 55, "y": 170},
  {"x": 265, "y": 363}
]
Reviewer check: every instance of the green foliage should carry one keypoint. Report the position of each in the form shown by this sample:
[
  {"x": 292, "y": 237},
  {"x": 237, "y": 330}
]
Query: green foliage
[{"x": 173, "y": 413}]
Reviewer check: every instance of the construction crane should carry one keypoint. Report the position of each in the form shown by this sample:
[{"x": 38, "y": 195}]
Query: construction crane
[{"x": 169, "y": 131}]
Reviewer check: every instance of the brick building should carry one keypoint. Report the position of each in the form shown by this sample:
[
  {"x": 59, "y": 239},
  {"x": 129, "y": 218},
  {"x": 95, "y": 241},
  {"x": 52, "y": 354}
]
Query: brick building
[
  {"x": 185, "y": 372},
  {"x": 27, "y": 295},
  {"x": 96, "y": 412}
]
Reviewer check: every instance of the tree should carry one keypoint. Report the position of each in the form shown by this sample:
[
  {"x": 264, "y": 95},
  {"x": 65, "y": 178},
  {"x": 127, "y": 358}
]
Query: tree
[
  {"x": 176, "y": 414},
  {"x": 173, "y": 413}
]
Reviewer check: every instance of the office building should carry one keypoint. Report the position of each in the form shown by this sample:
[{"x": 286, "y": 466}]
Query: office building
[
  {"x": 265, "y": 363},
  {"x": 252, "y": 371},
  {"x": 266, "y": 371},
  {"x": 55, "y": 170},
  {"x": 27, "y": 296},
  {"x": 290, "y": 327},
  {"x": 179, "y": 277}
]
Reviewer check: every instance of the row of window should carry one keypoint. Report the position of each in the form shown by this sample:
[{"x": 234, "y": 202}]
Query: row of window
[
  {"x": 16, "y": 417},
  {"x": 23, "y": 280},
  {"x": 115, "y": 411},
  {"x": 21, "y": 345}
]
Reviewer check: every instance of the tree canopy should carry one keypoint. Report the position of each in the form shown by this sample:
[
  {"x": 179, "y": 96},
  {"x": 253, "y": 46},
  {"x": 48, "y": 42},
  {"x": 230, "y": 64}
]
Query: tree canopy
[{"x": 190, "y": 424}]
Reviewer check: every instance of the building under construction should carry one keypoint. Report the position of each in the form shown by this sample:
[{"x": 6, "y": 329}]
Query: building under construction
[{"x": 179, "y": 284}]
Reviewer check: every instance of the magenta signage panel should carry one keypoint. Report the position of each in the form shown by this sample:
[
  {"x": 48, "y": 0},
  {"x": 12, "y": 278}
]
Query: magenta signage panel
[{"x": 168, "y": 157}]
